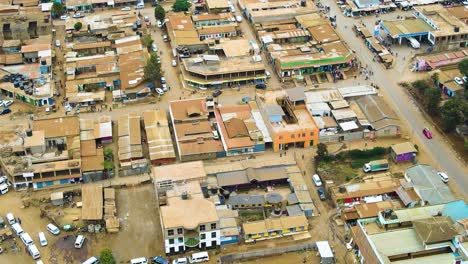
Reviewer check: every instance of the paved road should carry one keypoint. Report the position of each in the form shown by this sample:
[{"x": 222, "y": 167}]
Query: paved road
[{"x": 442, "y": 153}]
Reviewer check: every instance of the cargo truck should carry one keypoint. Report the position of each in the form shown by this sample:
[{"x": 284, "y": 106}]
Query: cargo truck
[{"x": 376, "y": 165}]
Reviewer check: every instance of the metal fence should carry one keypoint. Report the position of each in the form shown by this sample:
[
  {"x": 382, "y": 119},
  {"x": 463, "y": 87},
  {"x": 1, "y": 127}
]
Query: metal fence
[
  {"x": 227, "y": 259},
  {"x": 341, "y": 137}
]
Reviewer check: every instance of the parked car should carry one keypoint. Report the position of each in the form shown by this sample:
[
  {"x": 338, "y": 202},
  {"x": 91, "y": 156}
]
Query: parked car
[
  {"x": 127, "y": 8},
  {"x": 159, "y": 260},
  {"x": 165, "y": 38},
  {"x": 154, "y": 48},
  {"x": 239, "y": 19},
  {"x": 7, "y": 103},
  {"x": 321, "y": 193},
  {"x": 146, "y": 18},
  {"x": 42, "y": 239},
  {"x": 427, "y": 133},
  {"x": 80, "y": 239},
  {"x": 141, "y": 260},
  {"x": 260, "y": 86},
  {"x": 57, "y": 43},
  {"x": 182, "y": 260},
  {"x": 64, "y": 17},
  {"x": 458, "y": 80},
  {"x": 174, "y": 63},
  {"x": 267, "y": 74},
  {"x": 316, "y": 180},
  {"x": 217, "y": 93},
  {"x": 5, "y": 111},
  {"x": 78, "y": 15},
  {"x": 160, "y": 24},
  {"x": 164, "y": 87},
  {"x": 465, "y": 79},
  {"x": 246, "y": 99},
  {"x": 53, "y": 229},
  {"x": 159, "y": 91},
  {"x": 154, "y": 3},
  {"x": 443, "y": 176},
  {"x": 138, "y": 23},
  {"x": 163, "y": 80}
]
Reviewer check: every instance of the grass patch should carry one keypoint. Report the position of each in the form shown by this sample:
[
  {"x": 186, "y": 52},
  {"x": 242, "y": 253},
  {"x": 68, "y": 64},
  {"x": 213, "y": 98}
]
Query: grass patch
[{"x": 250, "y": 215}]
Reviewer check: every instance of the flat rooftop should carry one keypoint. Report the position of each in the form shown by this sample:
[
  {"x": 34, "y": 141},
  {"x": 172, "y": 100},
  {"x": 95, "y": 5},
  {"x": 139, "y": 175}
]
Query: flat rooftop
[
  {"x": 222, "y": 65},
  {"x": 407, "y": 26},
  {"x": 443, "y": 19},
  {"x": 189, "y": 213}
]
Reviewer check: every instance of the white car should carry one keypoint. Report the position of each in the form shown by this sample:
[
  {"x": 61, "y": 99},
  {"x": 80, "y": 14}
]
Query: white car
[
  {"x": 7, "y": 103},
  {"x": 465, "y": 79},
  {"x": 180, "y": 261},
  {"x": 458, "y": 80},
  {"x": 443, "y": 176},
  {"x": 159, "y": 91},
  {"x": 42, "y": 239},
  {"x": 126, "y": 8},
  {"x": 174, "y": 63},
  {"x": 164, "y": 87},
  {"x": 79, "y": 241},
  {"x": 53, "y": 229},
  {"x": 160, "y": 24},
  {"x": 64, "y": 17},
  {"x": 154, "y": 48},
  {"x": 239, "y": 19},
  {"x": 163, "y": 80},
  {"x": 78, "y": 15},
  {"x": 57, "y": 43}
]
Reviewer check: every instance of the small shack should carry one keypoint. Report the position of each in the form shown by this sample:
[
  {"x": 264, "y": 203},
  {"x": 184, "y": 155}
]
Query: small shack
[
  {"x": 56, "y": 198},
  {"x": 326, "y": 253},
  {"x": 403, "y": 152}
]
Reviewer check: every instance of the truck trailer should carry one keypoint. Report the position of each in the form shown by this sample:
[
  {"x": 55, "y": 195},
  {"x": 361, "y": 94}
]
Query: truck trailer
[{"x": 376, "y": 165}]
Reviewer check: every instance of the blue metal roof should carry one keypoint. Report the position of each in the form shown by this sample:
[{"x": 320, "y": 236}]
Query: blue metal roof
[{"x": 456, "y": 210}]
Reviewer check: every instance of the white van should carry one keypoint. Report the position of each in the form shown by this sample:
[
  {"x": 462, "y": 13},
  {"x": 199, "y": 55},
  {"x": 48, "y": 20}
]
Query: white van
[
  {"x": 17, "y": 229},
  {"x": 32, "y": 249},
  {"x": 414, "y": 43},
  {"x": 10, "y": 218},
  {"x": 180, "y": 261},
  {"x": 141, "y": 260},
  {"x": 53, "y": 229},
  {"x": 42, "y": 239},
  {"x": 26, "y": 238},
  {"x": 317, "y": 180},
  {"x": 91, "y": 260},
  {"x": 3, "y": 188},
  {"x": 79, "y": 241},
  {"x": 140, "y": 5},
  {"x": 199, "y": 257}
]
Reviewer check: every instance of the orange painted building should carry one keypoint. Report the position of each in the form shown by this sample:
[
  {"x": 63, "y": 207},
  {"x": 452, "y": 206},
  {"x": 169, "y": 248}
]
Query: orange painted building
[{"x": 289, "y": 122}]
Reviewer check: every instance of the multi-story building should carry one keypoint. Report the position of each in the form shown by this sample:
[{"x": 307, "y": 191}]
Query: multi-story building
[
  {"x": 192, "y": 122},
  {"x": 221, "y": 19},
  {"x": 22, "y": 23},
  {"x": 260, "y": 12},
  {"x": 46, "y": 155},
  {"x": 189, "y": 221},
  {"x": 287, "y": 119},
  {"x": 275, "y": 228}
]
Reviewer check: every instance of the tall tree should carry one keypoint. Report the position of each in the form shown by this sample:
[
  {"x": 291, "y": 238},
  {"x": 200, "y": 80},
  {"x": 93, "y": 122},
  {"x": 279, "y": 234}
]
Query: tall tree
[
  {"x": 181, "y": 5},
  {"x": 147, "y": 41},
  {"x": 463, "y": 67},
  {"x": 58, "y": 9},
  {"x": 78, "y": 26},
  {"x": 454, "y": 112},
  {"x": 420, "y": 85},
  {"x": 322, "y": 151},
  {"x": 432, "y": 99},
  {"x": 153, "y": 68},
  {"x": 106, "y": 257},
  {"x": 159, "y": 12}
]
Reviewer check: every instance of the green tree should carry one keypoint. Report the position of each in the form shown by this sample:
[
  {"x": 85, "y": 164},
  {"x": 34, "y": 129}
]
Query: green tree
[
  {"x": 454, "y": 112},
  {"x": 322, "y": 151},
  {"x": 153, "y": 68},
  {"x": 106, "y": 257},
  {"x": 58, "y": 9},
  {"x": 420, "y": 85},
  {"x": 463, "y": 67},
  {"x": 435, "y": 77},
  {"x": 181, "y": 5},
  {"x": 432, "y": 99},
  {"x": 159, "y": 12},
  {"x": 147, "y": 41},
  {"x": 78, "y": 26}
]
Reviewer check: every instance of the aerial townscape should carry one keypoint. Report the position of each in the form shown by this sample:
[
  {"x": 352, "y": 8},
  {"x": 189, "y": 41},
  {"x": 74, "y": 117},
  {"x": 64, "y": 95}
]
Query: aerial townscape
[{"x": 233, "y": 131}]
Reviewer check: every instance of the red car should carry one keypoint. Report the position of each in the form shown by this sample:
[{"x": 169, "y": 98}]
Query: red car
[{"x": 427, "y": 133}]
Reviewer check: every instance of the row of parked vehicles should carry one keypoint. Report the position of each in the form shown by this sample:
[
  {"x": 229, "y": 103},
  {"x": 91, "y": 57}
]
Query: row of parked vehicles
[{"x": 194, "y": 258}]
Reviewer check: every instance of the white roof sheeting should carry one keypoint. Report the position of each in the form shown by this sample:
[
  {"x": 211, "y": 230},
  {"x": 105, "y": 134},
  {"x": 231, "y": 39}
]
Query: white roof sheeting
[
  {"x": 262, "y": 126},
  {"x": 357, "y": 91},
  {"x": 350, "y": 125},
  {"x": 324, "y": 249}
]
